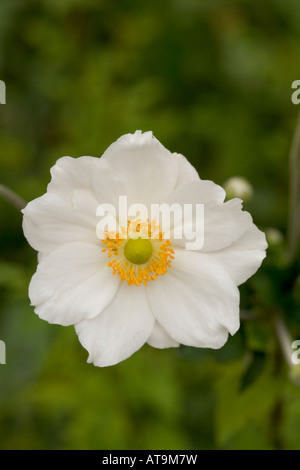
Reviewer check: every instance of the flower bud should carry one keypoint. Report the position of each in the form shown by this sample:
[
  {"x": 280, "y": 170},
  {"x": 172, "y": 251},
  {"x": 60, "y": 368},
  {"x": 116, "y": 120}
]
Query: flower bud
[
  {"x": 237, "y": 186},
  {"x": 274, "y": 236}
]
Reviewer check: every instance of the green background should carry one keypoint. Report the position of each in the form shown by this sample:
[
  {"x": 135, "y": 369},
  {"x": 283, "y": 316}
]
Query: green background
[{"x": 212, "y": 80}]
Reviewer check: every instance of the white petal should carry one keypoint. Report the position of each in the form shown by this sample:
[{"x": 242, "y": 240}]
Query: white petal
[
  {"x": 186, "y": 172},
  {"x": 147, "y": 168},
  {"x": 198, "y": 192},
  {"x": 243, "y": 258},
  {"x": 160, "y": 339},
  {"x": 72, "y": 283},
  {"x": 74, "y": 173},
  {"x": 67, "y": 212},
  {"x": 195, "y": 301},
  {"x": 223, "y": 222},
  {"x": 91, "y": 174},
  {"x": 120, "y": 330},
  {"x": 50, "y": 221}
]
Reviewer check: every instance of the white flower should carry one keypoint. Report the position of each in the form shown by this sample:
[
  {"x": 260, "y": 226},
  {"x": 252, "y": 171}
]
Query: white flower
[{"x": 116, "y": 300}]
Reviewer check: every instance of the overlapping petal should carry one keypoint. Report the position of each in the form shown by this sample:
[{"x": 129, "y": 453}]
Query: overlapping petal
[
  {"x": 186, "y": 172},
  {"x": 197, "y": 303},
  {"x": 160, "y": 339},
  {"x": 120, "y": 330},
  {"x": 72, "y": 283},
  {"x": 70, "y": 173},
  {"x": 50, "y": 221},
  {"x": 224, "y": 222},
  {"x": 148, "y": 169},
  {"x": 244, "y": 256}
]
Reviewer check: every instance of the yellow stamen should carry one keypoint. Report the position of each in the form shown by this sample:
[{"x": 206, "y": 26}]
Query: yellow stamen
[{"x": 147, "y": 255}]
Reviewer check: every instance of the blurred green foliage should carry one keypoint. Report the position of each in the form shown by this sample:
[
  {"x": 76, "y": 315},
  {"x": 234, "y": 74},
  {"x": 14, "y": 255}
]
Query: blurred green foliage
[{"x": 212, "y": 80}]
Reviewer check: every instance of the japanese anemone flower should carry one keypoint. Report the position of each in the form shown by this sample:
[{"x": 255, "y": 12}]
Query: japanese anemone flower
[{"x": 123, "y": 292}]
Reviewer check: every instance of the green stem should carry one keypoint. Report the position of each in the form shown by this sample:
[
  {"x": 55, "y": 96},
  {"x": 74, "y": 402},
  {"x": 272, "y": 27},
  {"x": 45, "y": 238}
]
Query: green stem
[
  {"x": 11, "y": 197},
  {"x": 293, "y": 216}
]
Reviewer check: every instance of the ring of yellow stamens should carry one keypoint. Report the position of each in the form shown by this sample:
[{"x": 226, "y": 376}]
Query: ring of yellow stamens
[{"x": 140, "y": 253}]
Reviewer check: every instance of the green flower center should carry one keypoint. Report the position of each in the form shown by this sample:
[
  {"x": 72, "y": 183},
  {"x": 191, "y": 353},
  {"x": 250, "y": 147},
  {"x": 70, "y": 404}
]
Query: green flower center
[{"x": 138, "y": 251}]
